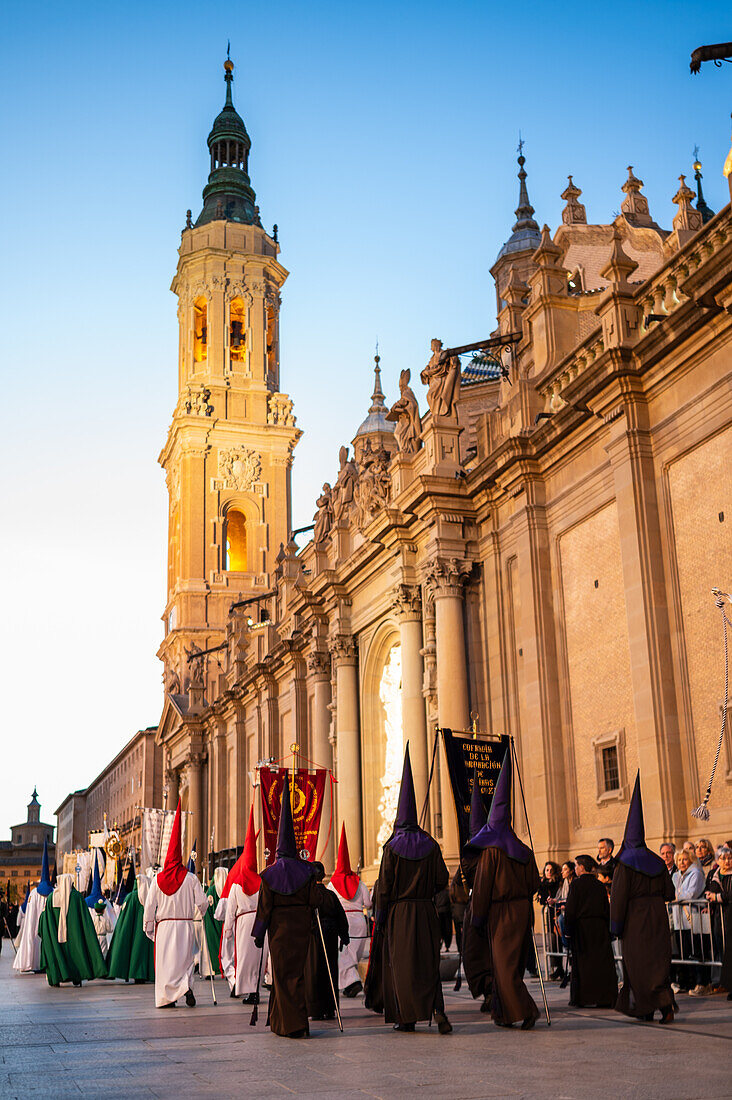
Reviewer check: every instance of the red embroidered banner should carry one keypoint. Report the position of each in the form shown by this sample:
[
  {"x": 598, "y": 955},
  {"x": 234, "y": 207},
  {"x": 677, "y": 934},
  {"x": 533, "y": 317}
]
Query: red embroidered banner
[{"x": 306, "y": 797}]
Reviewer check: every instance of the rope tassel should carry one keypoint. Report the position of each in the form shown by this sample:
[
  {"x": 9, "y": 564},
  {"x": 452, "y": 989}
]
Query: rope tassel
[{"x": 701, "y": 812}]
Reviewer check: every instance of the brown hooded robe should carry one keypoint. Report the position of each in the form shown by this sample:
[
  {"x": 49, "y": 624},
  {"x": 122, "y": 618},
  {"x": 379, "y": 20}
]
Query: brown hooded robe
[
  {"x": 502, "y": 903},
  {"x": 638, "y": 914},
  {"x": 594, "y": 980}
]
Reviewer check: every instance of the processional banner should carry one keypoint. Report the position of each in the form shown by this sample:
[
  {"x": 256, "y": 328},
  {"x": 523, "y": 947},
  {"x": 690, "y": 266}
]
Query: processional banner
[
  {"x": 157, "y": 825},
  {"x": 465, "y": 755},
  {"x": 306, "y": 798}
]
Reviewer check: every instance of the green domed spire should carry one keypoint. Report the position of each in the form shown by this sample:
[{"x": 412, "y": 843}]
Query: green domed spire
[{"x": 229, "y": 193}]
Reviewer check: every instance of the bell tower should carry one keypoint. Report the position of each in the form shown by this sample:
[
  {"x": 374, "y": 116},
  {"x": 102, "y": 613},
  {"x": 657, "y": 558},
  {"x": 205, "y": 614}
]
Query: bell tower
[{"x": 228, "y": 453}]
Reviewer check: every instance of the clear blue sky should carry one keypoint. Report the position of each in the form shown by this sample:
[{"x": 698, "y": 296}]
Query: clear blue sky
[{"x": 384, "y": 138}]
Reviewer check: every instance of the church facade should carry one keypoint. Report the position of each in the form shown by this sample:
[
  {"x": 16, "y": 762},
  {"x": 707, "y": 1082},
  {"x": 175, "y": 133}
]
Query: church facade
[{"x": 532, "y": 553}]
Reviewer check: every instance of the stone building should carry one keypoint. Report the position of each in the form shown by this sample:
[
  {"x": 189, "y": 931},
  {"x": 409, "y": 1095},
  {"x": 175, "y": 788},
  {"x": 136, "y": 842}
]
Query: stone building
[
  {"x": 133, "y": 779},
  {"x": 536, "y": 548},
  {"x": 21, "y": 856}
]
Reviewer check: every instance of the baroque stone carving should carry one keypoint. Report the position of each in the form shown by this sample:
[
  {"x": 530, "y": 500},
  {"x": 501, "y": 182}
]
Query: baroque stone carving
[
  {"x": 319, "y": 664},
  {"x": 405, "y": 414},
  {"x": 197, "y": 401},
  {"x": 239, "y": 468},
  {"x": 407, "y": 602},
  {"x": 343, "y": 648},
  {"x": 279, "y": 410},
  {"x": 344, "y": 486},
  {"x": 197, "y": 663},
  {"x": 442, "y": 378},
  {"x": 324, "y": 516},
  {"x": 372, "y": 491},
  {"x": 447, "y": 576}
]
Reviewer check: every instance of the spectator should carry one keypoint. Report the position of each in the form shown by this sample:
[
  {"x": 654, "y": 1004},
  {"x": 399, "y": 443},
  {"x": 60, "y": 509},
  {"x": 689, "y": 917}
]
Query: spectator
[
  {"x": 549, "y": 885},
  {"x": 605, "y": 857},
  {"x": 667, "y": 853},
  {"x": 690, "y": 846},
  {"x": 719, "y": 890},
  {"x": 688, "y": 882},
  {"x": 559, "y": 901},
  {"x": 594, "y": 980},
  {"x": 705, "y": 855},
  {"x": 605, "y": 876}
]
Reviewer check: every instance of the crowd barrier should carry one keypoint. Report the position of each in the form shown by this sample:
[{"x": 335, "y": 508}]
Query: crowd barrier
[{"x": 695, "y": 927}]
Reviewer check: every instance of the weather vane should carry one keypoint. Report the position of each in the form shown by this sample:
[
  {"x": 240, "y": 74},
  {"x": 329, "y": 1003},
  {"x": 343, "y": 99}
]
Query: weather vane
[
  {"x": 228, "y": 49},
  {"x": 520, "y": 147}
]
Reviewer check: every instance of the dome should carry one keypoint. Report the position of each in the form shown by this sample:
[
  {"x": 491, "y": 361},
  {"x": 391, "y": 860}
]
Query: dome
[{"x": 376, "y": 420}]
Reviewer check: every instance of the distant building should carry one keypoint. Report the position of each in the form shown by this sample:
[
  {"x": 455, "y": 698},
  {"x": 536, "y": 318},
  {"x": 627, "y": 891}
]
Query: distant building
[
  {"x": 133, "y": 779},
  {"x": 21, "y": 856}
]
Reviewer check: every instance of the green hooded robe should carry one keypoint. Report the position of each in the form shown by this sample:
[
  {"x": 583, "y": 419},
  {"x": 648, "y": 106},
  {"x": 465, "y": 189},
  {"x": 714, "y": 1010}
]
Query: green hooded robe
[
  {"x": 213, "y": 928},
  {"x": 80, "y": 958},
  {"x": 131, "y": 954}
]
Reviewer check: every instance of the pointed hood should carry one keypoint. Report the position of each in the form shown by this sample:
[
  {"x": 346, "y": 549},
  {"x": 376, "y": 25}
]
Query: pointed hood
[
  {"x": 44, "y": 887},
  {"x": 288, "y": 873},
  {"x": 244, "y": 872},
  {"x": 408, "y": 840},
  {"x": 498, "y": 831},
  {"x": 344, "y": 880},
  {"x": 633, "y": 851},
  {"x": 24, "y": 903},
  {"x": 95, "y": 894},
  {"x": 173, "y": 874},
  {"x": 192, "y": 860},
  {"x": 478, "y": 815},
  {"x": 54, "y": 874}
]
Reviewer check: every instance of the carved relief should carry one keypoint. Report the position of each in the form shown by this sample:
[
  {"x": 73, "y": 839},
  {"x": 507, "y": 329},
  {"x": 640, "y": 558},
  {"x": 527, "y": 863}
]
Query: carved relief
[
  {"x": 343, "y": 648},
  {"x": 239, "y": 468},
  {"x": 279, "y": 410},
  {"x": 196, "y": 402},
  {"x": 372, "y": 490},
  {"x": 319, "y": 664},
  {"x": 407, "y": 602},
  {"x": 239, "y": 290}
]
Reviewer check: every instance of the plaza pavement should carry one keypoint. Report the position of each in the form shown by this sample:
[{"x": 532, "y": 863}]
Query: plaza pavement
[{"x": 108, "y": 1040}]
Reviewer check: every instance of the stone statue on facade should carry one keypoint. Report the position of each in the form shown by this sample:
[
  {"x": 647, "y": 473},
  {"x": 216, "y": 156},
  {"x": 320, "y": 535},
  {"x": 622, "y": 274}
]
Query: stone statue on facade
[
  {"x": 373, "y": 488},
  {"x": 197, "y": 663},
  {"x": 324, "y": 515},
  {"x": 405, "y": 414},
  {"x": 344, "y": 486},
  {"x": 173, "y": 682},
  {"x": 442, "y": 378}
]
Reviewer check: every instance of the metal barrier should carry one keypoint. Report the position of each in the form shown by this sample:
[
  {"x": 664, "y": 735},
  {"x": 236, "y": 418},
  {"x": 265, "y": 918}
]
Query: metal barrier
[{"x": 696, "y": 929}]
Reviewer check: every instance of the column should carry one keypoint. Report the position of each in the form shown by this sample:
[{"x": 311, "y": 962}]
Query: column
[
  {"x": 319, "y": 685},
  {"x": 446, "y": 578},
  {"x": 344, "y": 652},
  {"x": 651, "y": 659},
  {"x": 195, "y": 825},
  {"x": 408, "y": 610}
]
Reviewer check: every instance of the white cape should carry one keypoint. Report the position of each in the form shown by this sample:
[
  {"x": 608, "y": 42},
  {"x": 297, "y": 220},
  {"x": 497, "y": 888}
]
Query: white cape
[
  {"x": 358, "y": 929},
  {"x": 241, "y": 909},
  {"x": 28, "y": 941},
  {"x": 168, "y": 921},
  {"x": 227, "y": 946}
]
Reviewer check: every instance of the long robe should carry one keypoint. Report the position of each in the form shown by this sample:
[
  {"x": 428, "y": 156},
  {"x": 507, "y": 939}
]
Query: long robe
[
  {"x": 212, "y": 929},
  {"x": 237, "y": 943},
  {"x": 502, "y": 903},
  {"x": 80, "y": 957},
  {"x": 475, "y": 944},
  {"x": 638, "y": 915},
  {"x": 168, "y": 921},
  {"x": 103, "y": 928},
  {"x": 287, "y": 918},
  {"x": 29, "y": 942},
  {"x": 318, "y": 992},
  {"x": 358, "y": 930},
  {"x": 410, "y": 944},
  {"x": 226, "y": 964},
  {"x": 721, "y": 885},
  {"x": 593, "y": 980},
  {"x": 131, "y": 952}
]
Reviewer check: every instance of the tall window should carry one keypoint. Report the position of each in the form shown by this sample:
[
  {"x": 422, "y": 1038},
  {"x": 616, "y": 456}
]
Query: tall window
[
  {"x": 237, "y": 331},
  {"x": 236, "y": 542},
  {"x": 390, "y": 694},
  {"x": 610, "y": 768},
  {"x": 200, "y": 330}
]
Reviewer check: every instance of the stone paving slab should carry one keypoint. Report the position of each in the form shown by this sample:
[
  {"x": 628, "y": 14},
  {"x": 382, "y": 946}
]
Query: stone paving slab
[{"x": 108, "y": 1040}]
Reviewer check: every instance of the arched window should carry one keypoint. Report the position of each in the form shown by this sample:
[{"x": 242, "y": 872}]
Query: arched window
[
  {"x": 237, "y": 331},
  {"x": 200, "y": 330},
  {"x": 236, "y": 542}
]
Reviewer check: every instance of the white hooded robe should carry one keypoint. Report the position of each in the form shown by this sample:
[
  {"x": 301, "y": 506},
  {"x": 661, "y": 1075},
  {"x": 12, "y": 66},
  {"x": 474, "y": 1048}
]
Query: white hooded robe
[
  {"x": 241, "y": 910},
  {"x": 28, "y": 941},
  {"x": 358, "y": 928},
  {"x": 168, "y": 922}
]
